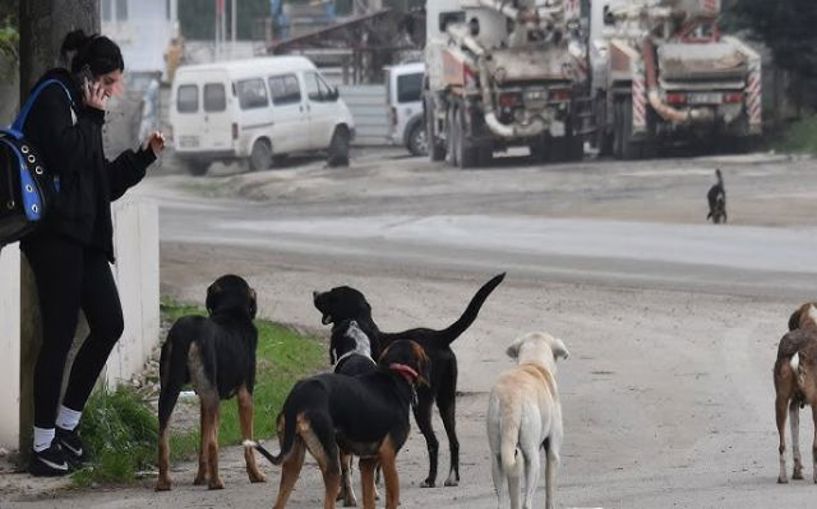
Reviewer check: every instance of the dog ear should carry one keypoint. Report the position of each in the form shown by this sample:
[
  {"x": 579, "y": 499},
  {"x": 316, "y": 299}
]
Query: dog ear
[
  {"x": 513, "y": 349},
  {"x": 559, "y": 349},
  {"x": 253, "y": 303},
  {"x": 212, "y": 293},
  {"x": 794, "y": 319}
]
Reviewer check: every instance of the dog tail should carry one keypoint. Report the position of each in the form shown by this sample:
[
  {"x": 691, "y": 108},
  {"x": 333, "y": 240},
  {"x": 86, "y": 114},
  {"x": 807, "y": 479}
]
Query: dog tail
[
  {"x": 173, "y": 372},
  {"x": 455, "y": 329},
  {"x": 508, "y": 451},
  {"x": 286, "y": 442}
]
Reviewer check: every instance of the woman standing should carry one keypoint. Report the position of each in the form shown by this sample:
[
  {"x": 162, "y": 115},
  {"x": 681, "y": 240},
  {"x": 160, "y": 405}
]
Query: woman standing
[{"x": 70, "y": 253}]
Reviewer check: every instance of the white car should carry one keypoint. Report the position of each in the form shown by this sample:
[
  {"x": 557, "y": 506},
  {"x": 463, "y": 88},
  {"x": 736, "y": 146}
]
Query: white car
[
  {"x": 258, "y": 110},
  {"x": 404, "y": 96}
]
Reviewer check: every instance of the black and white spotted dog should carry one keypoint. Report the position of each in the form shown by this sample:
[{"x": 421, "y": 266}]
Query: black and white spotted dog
[
  {"x": 350, "y": 353},
  {"x": 717, "y": 200}
]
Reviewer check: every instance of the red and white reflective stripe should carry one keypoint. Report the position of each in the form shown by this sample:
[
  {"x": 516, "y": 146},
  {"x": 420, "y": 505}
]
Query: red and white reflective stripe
[
  {"x": 639, "y": 103},
  {"x": 754, "y": 99}
]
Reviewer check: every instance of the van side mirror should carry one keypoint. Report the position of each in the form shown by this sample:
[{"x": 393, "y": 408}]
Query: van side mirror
[{"x": 335, "y": 94}]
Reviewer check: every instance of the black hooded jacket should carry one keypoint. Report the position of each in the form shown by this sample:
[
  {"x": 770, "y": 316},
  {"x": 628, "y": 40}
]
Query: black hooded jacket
[{"x": 69, "y": 139}]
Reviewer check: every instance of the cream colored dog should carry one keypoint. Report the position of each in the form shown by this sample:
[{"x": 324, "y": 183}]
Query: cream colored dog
[{"x": 524, "y": 415}]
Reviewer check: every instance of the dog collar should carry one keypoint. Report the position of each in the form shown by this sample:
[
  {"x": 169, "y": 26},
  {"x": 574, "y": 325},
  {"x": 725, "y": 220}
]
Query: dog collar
[
  {"x": 405, "y": 371},
  {"x": 351, "y": 353}
]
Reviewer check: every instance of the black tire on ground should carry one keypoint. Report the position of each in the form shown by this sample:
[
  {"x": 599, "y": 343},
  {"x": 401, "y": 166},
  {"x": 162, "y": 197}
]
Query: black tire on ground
[
  {"x": 197, "y": 168},
  {"x": 261, "y": 156},
  {"x": 485, "y": 156},
  {"x": 436, "y": 150},
  {"x": 450, "y": 137},
  {"x": 466, "y": 154},
  {"x": 417, "y": 139},
  {"x": 339, "y": 147},
  {"x": 540, "y": 148},
  {"x": 625, "y": 147}
]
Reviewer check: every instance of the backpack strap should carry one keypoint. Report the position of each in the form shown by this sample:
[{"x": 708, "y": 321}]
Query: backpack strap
[{"x": 16, "y": 129}]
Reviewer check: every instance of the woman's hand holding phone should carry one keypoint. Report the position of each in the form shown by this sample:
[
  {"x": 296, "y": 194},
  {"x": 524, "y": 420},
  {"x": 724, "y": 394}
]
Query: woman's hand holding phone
[{"x": 95, "y": 95}]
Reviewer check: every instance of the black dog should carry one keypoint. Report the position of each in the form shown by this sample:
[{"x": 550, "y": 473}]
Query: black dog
[
  {"x": 217, "y": 355},
  {"x": 717, "y": 200},
  {"x": 350, "y": 352},
  {"x": 365, "y": 415},
  {"x": 345, "y": 303}
]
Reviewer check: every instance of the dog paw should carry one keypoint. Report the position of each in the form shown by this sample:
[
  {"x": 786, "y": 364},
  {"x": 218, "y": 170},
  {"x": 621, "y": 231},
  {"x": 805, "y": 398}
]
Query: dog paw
[
  {"x": 451, "y": 482},
  {"x": 782, "y": 480},
  {"x": 797, "y": 475},
  {"x": 257, "y": 477},
  {"x": 350, "y": 503},
  {"x": 428, "y": 483},
  {"x": 163, "y": 485},
  {"x": 200, "y": 480},
  {"x": 217, "y": 484}
]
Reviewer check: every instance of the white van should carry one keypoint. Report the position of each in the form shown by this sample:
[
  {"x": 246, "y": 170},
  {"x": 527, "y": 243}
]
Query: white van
[
  {"x": 404, "y": 96},
  {"x": 259, "y": 110}
]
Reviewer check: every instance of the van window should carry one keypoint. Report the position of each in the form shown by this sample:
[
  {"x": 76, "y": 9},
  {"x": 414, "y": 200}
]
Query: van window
[
  {"x": 187, "y": 99},
  {"x": 285, "y": 89},
  {"x": 252, "y": 94},
  {"x": 316, "y": 88},
  {"x": 214, "y": 97},
  {"x": 409, "y": 87}
]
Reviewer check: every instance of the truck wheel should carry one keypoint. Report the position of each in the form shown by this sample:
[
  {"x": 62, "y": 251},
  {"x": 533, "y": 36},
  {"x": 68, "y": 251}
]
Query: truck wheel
[
  {"x": 261, "y": 156},
  {"x": 465, "y": 154},
  {"x": 436, "y": 150},
  {"x": 197, "y": 168},
  {"x": 539, "y": 148},
  {"x": 625, "y": 147},
  {"x": 485, "y": 156},
  {"x": 450, "y": 137},
  {"x": 339, "y": 148},
  {"x": 417, "y": 139}
]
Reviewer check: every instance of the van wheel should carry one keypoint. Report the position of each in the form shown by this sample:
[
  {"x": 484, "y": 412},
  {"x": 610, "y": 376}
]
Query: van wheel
[
  {"x": 339, "y": 148},
  {"x": 261, "y": 156},
  {"x": 417, "y": 141},
  {"x": 197, "y": 168}
]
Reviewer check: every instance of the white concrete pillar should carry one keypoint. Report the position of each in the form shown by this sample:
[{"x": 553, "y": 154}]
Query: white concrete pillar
[{"x": 10, "y": 345}]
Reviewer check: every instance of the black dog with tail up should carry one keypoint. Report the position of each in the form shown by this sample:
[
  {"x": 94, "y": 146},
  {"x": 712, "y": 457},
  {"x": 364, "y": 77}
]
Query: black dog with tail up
[{"x": 346, "y": 303}]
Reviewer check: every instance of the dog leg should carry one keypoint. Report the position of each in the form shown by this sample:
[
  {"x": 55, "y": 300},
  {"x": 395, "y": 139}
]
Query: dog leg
[
  {"x": 514, "y": 480},
  {"x": 245, "y": 414},
  {"x": 551, "y": 465},
  {"x": 498, "y": 478},
  {"x": 215, "y": 482},
  {"x": 290, "y": 470},
  {"x": 163, "y": 483},
  {"x": 203, "y": 474},
  {"x": 387, "y": 456},
  {"x": 422, "y": 414},
  {"x": 794, "y": 425},
  {"x": 781, "y": 403},
  {"x": 447, "y": 403},
  {"x": 318, "y": 435},
  {"x": 814, "y": 443},
  {"x": 532, "y": 468},
  {"x": 367, "y": 466},
  {"x": 347, "y": 491}
]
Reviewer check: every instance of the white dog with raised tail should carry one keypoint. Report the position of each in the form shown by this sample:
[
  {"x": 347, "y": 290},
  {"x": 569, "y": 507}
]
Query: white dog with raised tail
[{"x": 524, "y": 415}]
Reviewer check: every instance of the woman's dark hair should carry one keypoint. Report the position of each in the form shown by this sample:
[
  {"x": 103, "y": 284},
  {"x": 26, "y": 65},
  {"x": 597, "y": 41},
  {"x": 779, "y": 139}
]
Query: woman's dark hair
[{"x": 99, "y": 53}]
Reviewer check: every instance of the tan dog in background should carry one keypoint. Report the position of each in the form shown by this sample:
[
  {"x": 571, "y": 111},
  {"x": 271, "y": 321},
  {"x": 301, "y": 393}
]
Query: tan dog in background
[{"x": 524, "y": 415}]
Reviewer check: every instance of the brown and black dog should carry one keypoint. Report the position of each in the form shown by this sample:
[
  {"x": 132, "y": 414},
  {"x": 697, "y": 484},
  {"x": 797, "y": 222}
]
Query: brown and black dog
[
  {"x": 365, "y": 415},
  {"x": 346, "y": 303},
  {"x": 216, "y": 354}
]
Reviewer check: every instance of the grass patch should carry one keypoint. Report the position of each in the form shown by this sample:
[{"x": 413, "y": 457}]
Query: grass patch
[
  {"x": 120, "y": 428},
  {"x": 799, "y": 136}
]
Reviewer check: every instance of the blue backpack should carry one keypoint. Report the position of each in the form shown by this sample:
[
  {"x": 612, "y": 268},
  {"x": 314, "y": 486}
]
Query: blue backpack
[{"x": 27, "y": 189}]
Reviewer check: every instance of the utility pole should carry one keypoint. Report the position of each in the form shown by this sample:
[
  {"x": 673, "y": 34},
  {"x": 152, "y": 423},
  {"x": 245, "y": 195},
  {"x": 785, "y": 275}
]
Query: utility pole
[
  {"x": 43, "y": 26},
  {"x": 234, "y": 24}
]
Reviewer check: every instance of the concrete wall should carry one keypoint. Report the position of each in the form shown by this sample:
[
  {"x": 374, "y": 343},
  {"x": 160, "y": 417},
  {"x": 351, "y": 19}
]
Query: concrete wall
[
  {"x": 136, "y": 243},
  {"x": 9, "y": 344}
]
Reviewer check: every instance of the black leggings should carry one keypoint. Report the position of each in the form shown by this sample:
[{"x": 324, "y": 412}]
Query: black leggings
[{"x": 71, "y": 277}]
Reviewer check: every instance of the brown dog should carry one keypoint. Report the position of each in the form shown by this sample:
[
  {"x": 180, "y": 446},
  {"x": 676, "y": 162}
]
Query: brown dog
[
  {"x": 216, "y": 354},
  {"x": 795, "y": 384},
  {"x": 365, "y": 415}
]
